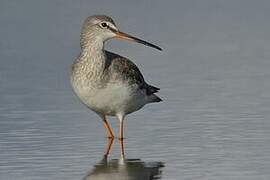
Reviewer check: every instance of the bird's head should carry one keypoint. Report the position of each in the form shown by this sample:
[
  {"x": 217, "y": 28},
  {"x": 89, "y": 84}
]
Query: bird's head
[{"x": 101, "y": 28}]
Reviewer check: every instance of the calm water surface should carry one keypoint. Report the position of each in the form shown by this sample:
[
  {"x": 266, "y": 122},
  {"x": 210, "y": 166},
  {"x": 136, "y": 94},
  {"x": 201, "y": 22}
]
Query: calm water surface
[{"x": 213, "y": 74}]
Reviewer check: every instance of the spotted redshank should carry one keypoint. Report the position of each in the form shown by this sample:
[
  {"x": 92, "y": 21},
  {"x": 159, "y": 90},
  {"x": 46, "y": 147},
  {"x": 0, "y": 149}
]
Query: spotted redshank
[{"x": 107, "y": 83}]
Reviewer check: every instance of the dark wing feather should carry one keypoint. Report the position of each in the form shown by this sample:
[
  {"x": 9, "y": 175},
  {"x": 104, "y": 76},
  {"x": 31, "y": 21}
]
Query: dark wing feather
[
  {"x": 123, "y": 69},
  {"x": 153, "y": 89}
]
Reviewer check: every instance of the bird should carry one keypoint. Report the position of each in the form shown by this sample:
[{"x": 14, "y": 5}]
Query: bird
[{"x": 107, "y": 83}]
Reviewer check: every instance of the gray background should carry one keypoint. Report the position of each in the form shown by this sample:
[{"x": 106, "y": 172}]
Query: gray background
[{"x": 213, "y": 74}]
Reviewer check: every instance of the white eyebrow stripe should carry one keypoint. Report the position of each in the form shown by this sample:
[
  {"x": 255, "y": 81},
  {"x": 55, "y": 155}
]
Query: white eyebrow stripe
[{"x": 112, "y": 26}]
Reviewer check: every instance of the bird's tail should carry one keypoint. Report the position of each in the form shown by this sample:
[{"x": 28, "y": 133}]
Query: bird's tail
[{"x": 154, "y": 98}]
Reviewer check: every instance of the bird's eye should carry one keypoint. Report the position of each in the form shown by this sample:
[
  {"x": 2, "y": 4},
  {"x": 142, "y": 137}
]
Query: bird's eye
[{"x": 104, "y": 25}]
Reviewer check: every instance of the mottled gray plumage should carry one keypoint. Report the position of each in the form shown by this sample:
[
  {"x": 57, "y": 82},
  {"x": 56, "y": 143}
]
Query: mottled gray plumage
[
  {"x": 119, "y": 67},
  {"x": 107, "y": 83}
]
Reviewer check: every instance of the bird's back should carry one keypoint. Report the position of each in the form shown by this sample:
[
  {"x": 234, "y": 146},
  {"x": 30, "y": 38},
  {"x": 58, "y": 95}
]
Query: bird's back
[{"x": 120, "y": 68}]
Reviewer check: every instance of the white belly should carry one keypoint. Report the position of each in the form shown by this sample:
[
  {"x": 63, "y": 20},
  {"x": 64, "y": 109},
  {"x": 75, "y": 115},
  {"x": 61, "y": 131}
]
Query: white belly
[{"x": 114, "y": 98}]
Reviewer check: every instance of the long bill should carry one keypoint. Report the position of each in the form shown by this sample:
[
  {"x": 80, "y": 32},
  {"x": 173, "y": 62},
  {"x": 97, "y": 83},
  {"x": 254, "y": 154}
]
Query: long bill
[{"x": 125, "y": 36}]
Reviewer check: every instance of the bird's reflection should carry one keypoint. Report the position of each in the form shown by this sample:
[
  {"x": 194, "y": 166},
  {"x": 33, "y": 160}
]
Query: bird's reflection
[{"x": 122, "y": 168}]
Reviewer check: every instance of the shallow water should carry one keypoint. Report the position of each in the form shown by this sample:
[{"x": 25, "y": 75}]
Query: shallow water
[{"x": 214, "y": 79}]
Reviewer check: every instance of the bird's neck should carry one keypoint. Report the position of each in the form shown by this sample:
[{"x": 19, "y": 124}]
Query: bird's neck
[
  {"x": 93, "y": 53},
  {"x": 93, "y": 46}
]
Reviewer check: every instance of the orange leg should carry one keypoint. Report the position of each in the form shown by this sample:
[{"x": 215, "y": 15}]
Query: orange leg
[
  {"x": 121, "y": 131},
  {"x": 122, "y": 149},
  {"x": 121, "y": 127},
  {"x": 108, "y": 147},
  {"x": 108, "y": 128}
]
